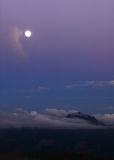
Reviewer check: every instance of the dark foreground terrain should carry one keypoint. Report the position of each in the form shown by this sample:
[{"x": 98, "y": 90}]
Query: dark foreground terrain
[
  {"x": 47, "y": 155},
  {"x": 26, "y": 143}
]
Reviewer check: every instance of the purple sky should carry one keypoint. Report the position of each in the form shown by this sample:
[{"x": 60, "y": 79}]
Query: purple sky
[{"x": 72, "y": 40}]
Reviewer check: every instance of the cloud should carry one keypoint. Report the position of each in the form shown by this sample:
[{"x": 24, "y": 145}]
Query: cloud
[
  {"x": 27, "y": 97},
  {"x": 109, "y": 116},
  {"x": 12, "y": 42},
  {"x": 52, "y": 118},
  {"x": 106, "y": 118},
  {"x": 58, "y": 113},
  {"x": 55, "y": 112},
  {"x": 69, "y": 86},
  {"x": 92, "y": 84},
  {"x": 111, "y": 83},
  {"x": 41, "y": 88},
  {"x": 95, "y": 83}
]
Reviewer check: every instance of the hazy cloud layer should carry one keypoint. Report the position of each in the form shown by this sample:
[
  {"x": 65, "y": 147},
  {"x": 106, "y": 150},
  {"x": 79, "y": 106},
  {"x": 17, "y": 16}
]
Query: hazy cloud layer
[
  {"x": 92, "y": 84},
  {"x": 52, "y": 118},
  {"x": 42, "y": 88}
]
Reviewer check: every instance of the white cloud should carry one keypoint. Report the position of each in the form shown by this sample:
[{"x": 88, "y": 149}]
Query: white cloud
[
  {"x": 55, "y": 112},
  {"x": 109, "y": 116},
  {"x": 106, "y": 118}
]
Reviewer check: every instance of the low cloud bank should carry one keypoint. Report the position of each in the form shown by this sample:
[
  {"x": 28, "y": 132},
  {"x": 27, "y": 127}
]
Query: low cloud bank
[
  {"x": 106, "y": 118},
  {"x": 52, "y": 118}
]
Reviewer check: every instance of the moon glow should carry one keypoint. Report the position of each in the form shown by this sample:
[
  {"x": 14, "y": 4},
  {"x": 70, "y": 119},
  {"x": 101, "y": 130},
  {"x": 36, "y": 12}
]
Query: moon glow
[{"x": 28, "y": 33}]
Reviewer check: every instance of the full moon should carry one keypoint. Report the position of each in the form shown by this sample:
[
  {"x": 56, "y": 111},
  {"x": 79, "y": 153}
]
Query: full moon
[{"x": 28, "y": 33}]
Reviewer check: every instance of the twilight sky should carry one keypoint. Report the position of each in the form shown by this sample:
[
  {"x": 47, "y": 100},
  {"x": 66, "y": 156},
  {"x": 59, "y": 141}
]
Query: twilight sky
[{"x": 68, "y": 63}]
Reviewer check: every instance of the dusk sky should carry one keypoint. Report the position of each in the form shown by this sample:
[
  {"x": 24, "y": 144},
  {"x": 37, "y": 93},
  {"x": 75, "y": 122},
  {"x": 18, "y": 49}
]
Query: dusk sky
[{"x": 67, "y": 63}]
